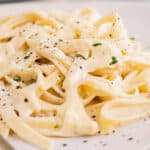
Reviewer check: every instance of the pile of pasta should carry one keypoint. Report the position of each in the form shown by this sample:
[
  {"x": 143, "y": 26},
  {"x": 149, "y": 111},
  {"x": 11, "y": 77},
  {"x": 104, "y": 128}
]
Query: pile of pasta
[{"x": 65, "y": 74}]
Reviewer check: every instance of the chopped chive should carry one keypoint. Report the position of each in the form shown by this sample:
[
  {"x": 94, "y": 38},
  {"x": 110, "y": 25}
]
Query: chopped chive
[
  {"x": 96, "y": 44},
  {"x": 26, "y": 57},
  {"x": 132, "y": 38},
  {"x": 113, "y": 58},
  {"x": 80, "y": 56},
  {"x": 60, "y": 40},
  {"x": 17, "y": 78},
  {"x": 113, "y": 24},
  {"x": 113, "y": 61}
]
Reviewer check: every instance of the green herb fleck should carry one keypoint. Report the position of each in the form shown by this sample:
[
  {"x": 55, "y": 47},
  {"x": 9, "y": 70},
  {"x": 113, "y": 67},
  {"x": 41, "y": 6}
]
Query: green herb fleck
[
  {"x": 132, "y": 38},
  {"x": 17, "y": 78},
  {"x": 80, "y": 56},
  {"x": 26, "y": 57},
  {"x": 96, "y": 44},
  {"x": 113, "y": 24},
  {"x": 60, "y": 40},
  {"x": 113, "y": 61}
]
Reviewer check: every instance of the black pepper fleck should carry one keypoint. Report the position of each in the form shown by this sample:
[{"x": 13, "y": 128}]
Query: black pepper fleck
[
  {"x": 130, "y": 139},
  {"x": 16, "y": 112},
  {"x": 44, "y": 74},
  {"x": 25, "y": 100},
  {"x": 46, "y": 46},
  {"x": 113, "y": 131},
  {"x": 80, "y": 67},
  {"x": 4, "y": 104},
  {"x": 93, "y": 116},
  {"x": 78, "y": 22},
  {"x": 99, "y": 132},
  {"x": 104, "y": 144},
  {"x": 110, "y": 35},
  {"x": 85, "y": 141},
  {"x": 55, "y": 44},
  {"x": 36, "y": 34},
  {"x": 64, "y": 145},
  {"x": 18, "y": 87}
]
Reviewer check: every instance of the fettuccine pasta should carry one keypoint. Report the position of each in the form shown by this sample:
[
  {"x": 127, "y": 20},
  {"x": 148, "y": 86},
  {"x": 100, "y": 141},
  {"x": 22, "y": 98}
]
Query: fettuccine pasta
[{"x": 69, "y": 74}]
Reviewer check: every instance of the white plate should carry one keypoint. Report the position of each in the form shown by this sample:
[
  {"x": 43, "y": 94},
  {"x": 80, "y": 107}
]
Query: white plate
[{"x": 136, "y": 18}]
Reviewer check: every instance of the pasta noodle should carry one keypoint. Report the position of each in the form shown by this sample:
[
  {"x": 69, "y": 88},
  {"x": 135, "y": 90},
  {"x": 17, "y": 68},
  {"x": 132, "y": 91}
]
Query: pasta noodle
[{"x": 69, "y": 74}]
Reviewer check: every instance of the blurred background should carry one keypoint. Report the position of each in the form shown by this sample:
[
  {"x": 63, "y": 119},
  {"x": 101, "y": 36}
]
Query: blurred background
[
  {"x": 8, "y": 1},
  {"x": 135, "y": 13}
]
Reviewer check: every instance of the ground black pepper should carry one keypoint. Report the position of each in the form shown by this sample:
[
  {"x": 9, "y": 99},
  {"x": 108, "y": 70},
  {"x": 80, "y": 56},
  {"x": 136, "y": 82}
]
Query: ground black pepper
[
  {"x": 85, "y": 141},
  {"x": 25, "y": 100},
  {"x": 16, "y": 112},
  {"x": 64, "y": 145},
  {"x": 130, "y": 138}
]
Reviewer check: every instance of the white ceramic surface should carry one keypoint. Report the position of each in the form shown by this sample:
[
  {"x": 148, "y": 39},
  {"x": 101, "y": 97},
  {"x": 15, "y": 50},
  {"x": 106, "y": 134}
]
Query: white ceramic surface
[{"x": 136, "y": 18}]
